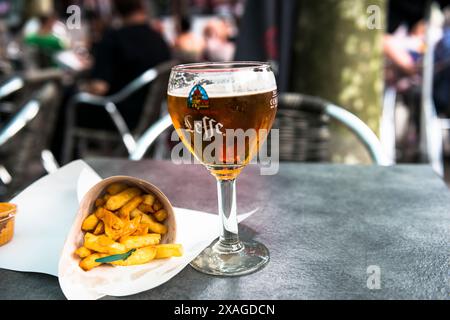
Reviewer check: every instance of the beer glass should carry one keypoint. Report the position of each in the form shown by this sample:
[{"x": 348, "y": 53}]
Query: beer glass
[{"x": 222, "y": 112}]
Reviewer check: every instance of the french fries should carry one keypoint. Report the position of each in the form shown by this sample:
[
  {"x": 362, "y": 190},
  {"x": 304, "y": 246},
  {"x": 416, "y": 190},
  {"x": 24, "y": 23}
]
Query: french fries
[
  {"x": 148, "y": 199},
  {"x": 100, "y": 228},
  {"x": 99, "y": 202},
  {"x": 83, "y": 252},
  {"x": 164, "y": 251},
  {"x": 115, "y": 188},
  {"x": 135, "y": 212},
  {"x": 160, "y": 215},
  {"x": 157, "y": 205},
  {"x": 131, "y": 226},
  {"x": 89, "y": 262},
  {"x": 126, "y": 228},
  {"x": 133, "y": 242},
  {"x": 89, "y": 223},
  {"x": 103, "y": 244},
  {"x": 113, "y": 224},
  {"x": 140, "y": 256},
  {"x": 125, "y": 211},
  {"x": 119, "y": 200},
  {"x": 146, "y": 208},
  {"x": 142, "y": 230},
  {"x": 154, "y": 226},
  {"x": 99, "y": 212},
  {"x": 111, "y": 220}
]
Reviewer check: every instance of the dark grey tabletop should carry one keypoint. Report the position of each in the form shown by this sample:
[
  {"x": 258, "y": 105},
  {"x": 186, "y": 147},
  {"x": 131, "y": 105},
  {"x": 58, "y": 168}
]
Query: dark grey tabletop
[{"x": 328, "y": 227}]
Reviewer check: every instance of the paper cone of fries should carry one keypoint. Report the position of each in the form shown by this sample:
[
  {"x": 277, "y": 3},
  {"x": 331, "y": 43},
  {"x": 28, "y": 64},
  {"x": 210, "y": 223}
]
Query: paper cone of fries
[
  {"x": 78, "y": 281},
  {"x": 87, "y": 205}
]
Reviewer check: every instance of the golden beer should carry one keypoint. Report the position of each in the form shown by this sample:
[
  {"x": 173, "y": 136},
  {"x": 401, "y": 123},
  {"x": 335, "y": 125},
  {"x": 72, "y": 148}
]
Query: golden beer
[
  {"x": 223, "y": 111},
  {"x": 219, "y": 118}
]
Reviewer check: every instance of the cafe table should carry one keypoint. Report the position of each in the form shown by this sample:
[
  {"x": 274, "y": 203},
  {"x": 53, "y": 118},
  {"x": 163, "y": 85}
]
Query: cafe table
[{"x": 333, "y": 232}]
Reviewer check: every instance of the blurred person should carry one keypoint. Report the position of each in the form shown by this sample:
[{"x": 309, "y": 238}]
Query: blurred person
[
  {"x": 404, "y": 49},
  {"x": 95, "y": 27},
  {"x": 404, "y": 43},
  {"x": 441, "y": 83},
  {"x": 48, "y": 39},
  {"x": 158, "y": 25},
  {"x": 123, "y": 54},
  {"x": 188, "y": 46},
  {"x": 218, "y": 47},
  {"x": 404, "y": 46}
]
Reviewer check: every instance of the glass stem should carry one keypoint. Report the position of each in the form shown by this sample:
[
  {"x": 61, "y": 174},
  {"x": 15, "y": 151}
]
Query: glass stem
[{"x": 229, "y": 238}]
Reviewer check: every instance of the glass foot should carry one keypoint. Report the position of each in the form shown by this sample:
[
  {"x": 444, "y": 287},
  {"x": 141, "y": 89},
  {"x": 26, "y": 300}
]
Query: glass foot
[{"x": 236, "y": 260}]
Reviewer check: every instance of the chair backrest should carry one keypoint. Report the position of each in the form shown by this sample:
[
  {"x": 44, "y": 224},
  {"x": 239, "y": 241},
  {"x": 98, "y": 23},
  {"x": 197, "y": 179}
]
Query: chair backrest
[
  {"x": 157, "y": 94},
  {"x": 27, "y": 134},
  {"x": 27, "y": 112},
  {"x": 303, "y": 122},
  {"x": 303, "y": 129},
  {"x": 150, "y": 113},
  {"x": 304, "y": 134},
  {"x": 150, "y": 136},
  {"x": 11, "y": 85},
  {"x": 140, "y": 82}
]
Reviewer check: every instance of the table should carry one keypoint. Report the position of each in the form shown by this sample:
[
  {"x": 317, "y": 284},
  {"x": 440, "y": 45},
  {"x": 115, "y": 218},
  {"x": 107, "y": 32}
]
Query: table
[{"x": 324, "y": 225}]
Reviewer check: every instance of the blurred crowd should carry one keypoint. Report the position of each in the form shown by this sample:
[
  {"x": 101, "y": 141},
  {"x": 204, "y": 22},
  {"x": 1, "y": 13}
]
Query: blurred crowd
[
  {"x": 410, "y": 32},
  {"x": 102, "y": 46},
  {"x": 106, "y": 44},
  {"x": 404, "y": 46},
  {"x": 53, "y": 51},
  {"x": 85, "y": 26}
]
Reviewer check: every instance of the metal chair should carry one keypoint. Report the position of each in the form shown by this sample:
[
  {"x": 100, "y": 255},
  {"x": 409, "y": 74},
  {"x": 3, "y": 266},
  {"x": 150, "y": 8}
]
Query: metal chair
[
  {"x": 315, "y": 113},
  {"x": 21, "y": 85},
  {"x": 150, "y": 136},
  {"x": 11, "y": 85},
  {"x": 8, "y": 87},
  {"x": 150, "y": 113},
  {"x": 27, "y": 113},
  {"x": 24, "y": 139},
  {"x": 387, "y": 124},
  {"x": 431, "y": 139}
]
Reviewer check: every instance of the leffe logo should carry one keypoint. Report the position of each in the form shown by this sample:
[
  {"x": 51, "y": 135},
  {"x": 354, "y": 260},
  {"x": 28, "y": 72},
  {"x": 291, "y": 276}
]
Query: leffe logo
[{"x": 198, "y": 98}]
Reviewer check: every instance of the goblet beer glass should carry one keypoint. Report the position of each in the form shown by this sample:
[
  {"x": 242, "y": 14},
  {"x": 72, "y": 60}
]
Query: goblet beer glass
[{"x": 223, "y": 113}]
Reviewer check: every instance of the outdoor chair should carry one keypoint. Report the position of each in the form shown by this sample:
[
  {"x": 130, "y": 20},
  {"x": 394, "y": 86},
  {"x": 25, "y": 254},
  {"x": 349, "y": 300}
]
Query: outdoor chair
[
  {"x": 11, "y": 85},
  {"x": 26, "y": 137},
  {"x": 77, "y": 137},
  {"x": 303, "y": 122},
  {"x": 9, "y": 89},
  {"x": 16, "y": 89}
]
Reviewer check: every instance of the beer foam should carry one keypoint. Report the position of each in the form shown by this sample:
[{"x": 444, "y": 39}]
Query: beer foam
[
  {"x": 224, "y": 84},
  {"x": 217, "y": 93}
]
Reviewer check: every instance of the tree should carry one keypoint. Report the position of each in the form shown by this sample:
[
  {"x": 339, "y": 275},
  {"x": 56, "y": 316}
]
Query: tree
[{"x": 338, "y": 56}]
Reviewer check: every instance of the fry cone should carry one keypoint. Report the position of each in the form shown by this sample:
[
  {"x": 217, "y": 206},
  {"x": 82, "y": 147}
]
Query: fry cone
[{"x": 87, "y": 205}]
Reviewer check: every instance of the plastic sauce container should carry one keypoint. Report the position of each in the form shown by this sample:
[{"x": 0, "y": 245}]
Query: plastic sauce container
[{"x": 7, "y": 216}]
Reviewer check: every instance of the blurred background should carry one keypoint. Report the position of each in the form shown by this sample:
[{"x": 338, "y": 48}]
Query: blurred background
[{"x": 88, "y": 78}]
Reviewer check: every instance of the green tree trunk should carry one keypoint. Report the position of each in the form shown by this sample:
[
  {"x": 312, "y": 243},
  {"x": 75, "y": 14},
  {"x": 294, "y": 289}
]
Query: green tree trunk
[{"x": 339, "y": 57}]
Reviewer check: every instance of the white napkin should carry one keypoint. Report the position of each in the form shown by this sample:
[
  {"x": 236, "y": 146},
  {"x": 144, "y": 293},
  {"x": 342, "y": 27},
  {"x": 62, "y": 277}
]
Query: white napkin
[
  {"x": 46, "y": 211},
  {"x": 47, "y": 215}
]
